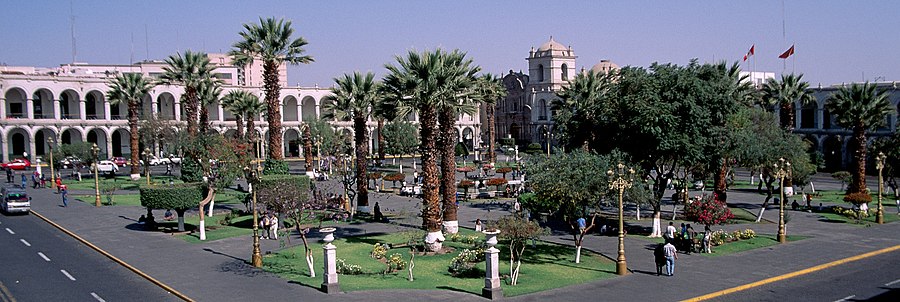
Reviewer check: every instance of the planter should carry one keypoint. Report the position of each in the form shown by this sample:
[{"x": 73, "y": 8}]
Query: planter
[
  {"x": 490, "y": 238},
  {"x": 329, "y": 234}
]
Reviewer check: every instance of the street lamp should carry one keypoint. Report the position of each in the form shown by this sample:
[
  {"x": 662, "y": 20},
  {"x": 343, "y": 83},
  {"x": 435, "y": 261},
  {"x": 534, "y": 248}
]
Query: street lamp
[
  {"x": 147, "y": 154},
  {"x": 318, "y": 150},
  {"x": 254, "y": 177},
  {"x": 96, "y": 152},
  {"x": 620, "y": 180},
  {"x": 52, "y": 174},
  {"x": 781, "y": 171},
  {"x": 879, "y": 163},
  {"x": 549, "y": 136}
]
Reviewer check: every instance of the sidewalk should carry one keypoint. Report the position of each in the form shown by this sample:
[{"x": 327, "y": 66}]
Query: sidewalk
[{"x": 216, "y": 271}]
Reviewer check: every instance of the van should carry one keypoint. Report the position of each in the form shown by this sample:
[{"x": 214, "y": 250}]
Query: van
[{"x": 15, "y": 200}]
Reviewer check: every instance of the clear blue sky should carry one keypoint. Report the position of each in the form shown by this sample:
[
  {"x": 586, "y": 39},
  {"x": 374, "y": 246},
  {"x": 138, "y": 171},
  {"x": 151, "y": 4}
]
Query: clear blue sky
[{"x": 836, "y": 41}]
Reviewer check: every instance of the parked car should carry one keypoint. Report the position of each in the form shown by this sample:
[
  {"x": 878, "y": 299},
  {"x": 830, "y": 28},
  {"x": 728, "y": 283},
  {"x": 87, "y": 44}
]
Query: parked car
[
  {"x": 107, "y": 166},
  {"x": 17, "y": 164},
  {"x": 15, "y": 200},
  {"x": 71, "y": 161},
  {"x": 120, "y": 161},
  {"x": 155, "y": 160}
]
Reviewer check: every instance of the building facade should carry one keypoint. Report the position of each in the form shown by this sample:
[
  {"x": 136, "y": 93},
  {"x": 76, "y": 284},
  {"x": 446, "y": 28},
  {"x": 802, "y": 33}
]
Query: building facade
[{"x": 69, "y": 104}]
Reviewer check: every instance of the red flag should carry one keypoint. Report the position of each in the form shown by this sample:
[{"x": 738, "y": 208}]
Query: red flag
[
  {"x": 745, "y": 58},
  {"x": 752, "y": 52},
  {"x": 787, "y": 53}
]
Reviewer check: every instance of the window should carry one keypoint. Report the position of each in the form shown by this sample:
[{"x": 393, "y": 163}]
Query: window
[
  {"x": 543, "y": 110},
  {"x": 540, "y": 73},
  {"x": 565, "y": 72}
]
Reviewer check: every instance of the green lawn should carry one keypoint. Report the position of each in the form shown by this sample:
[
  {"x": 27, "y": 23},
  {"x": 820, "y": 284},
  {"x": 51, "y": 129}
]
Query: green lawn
[
  {"x": 125, "y": 198},
  {"x": 240, "y": 226},
  {"x": 743, "y": 216},
  {"x": 867, "y": 221},
  {"x": 122, "y": 182},
  {"x": 760, "y": 241},
  {"x": 545, "y": 267}
]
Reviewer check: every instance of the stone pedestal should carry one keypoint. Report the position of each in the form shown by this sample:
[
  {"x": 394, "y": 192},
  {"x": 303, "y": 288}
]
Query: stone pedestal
[
  {"x": 330, "y": 278},
  {"x": 491, "y": 288}
]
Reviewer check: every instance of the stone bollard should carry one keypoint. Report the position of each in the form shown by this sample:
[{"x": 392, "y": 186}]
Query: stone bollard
[
  {"x": 491, "y": 288},
  {"x": 330, "y": 283}
]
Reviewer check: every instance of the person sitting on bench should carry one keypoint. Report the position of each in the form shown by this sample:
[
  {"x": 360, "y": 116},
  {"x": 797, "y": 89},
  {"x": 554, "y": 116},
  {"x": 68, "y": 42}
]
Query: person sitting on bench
[{"x": 169, "y": 216}]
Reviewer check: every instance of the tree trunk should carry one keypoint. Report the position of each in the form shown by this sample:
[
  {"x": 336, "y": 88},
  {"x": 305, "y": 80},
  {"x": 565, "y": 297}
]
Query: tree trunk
[
  {"x": 180, "y": 219},
  {"x": 431, "y": 210},
  {"x": 380, "y": 141},
  {"x": 239, "y": 122},
  {"x": 251, "y": 132},
  {"x": 210, "y": 196},
  {"x": 189, "y": 101},
  {"x": 204, "y": 119},
  {"x": 789, "y": 124},
  {"x": 308, "y": 252},
  {"x": 769, "y": 188},
  {"x": 492, "y": 132},
  {"x": 362, "y": 152},
  {"x": 858, "y": 184},
  {"x": 133, "y": 126},
  {"x": 273, "y": 108},
  {"x": 447, "y": 150},
  {"x": 307, "y": 149}
]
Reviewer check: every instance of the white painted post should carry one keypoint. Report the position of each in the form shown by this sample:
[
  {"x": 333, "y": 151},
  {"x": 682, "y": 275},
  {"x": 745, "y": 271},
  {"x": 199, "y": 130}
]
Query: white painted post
[
  {"x": 330, "y": 278},
  {"x": 491, "y": 288}
]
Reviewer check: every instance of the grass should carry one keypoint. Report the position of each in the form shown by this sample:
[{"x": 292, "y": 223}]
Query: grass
[
  {"x": 742, "y": 215},
  {"x": 867, "y": 221},
  {"x": 122, "y": 182},
  {"x": 240, "y": 226},
  {"x": 545, "y": 267},
  {"x": 760, "y": 241},
  {"x": 227, "y": 196}
]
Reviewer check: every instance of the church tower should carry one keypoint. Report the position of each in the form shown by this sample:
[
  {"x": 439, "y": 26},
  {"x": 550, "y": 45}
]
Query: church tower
[{"x": 550, "y": 68}]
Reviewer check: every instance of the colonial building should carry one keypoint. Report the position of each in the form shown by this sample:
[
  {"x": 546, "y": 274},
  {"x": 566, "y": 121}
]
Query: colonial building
[
  {"x": 69, "y": 104},
  {"x": 525, "y": 114}
]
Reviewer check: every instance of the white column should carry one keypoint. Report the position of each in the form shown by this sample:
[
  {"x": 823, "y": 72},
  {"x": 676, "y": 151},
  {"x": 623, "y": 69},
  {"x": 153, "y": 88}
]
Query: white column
[
  {"x": 318, "y": 116},
  {"x": 5, "y": 149},
  {"x": 82, "y": 110},
  {"x": 177, "y": 111},
  {"x": 797, "y": 115},
  {"x": 330, "y": 283},
  {"x": 29, "y": 108},
  {"x": 107, "y": 110},
  {"x": 32, "y": 148},
  {"x": 492, "y": 288},
  {"x": 3, "y": 112},
  {"x": 154, "y": 108},
  {"x": 56, "y": 109},
  {"x": 300, "y": 111},
  {"x": 221, "y": 113}
]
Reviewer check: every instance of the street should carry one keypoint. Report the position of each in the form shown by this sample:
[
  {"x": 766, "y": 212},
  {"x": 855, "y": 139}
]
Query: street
[{"x": 40, "y": 263}]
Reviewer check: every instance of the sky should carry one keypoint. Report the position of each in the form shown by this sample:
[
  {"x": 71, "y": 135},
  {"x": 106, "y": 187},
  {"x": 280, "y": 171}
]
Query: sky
[{"x": 835, "y": 41}]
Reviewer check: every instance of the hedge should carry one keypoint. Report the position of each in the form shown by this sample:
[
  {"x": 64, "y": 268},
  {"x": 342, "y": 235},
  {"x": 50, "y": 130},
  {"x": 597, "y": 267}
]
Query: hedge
[
  {"x": 270, "y": 185},
  {"x": 178, "y": 197},
  {"x": 275, "y": 167}
]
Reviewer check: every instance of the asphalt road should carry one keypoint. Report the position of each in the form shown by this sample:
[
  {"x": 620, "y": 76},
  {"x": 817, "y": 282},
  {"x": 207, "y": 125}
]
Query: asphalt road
[
  {"x": 871, "y": 279},
  {"x": 40, "y": 263}
]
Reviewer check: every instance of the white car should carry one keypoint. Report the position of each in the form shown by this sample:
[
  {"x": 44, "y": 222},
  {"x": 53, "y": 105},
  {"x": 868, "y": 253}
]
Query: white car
[
  {"x": 106, "y": 166},
  {"x": 164, "y": 160}
]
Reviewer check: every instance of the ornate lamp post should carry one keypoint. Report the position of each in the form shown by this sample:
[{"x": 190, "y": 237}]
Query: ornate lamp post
[
  {"x": 147, "y": 153},
  {"x": 319, "y": 151},
  {"x": 52, "y": 173},
  {"x": 96, "y": 152},
  {"x": 549, "y": 136},
  {"x": 621, "y": 179},
  {"x": 253, "y": 178},
  {"x": 781, "y": 171},
  {"x": 879, "y": 163}
]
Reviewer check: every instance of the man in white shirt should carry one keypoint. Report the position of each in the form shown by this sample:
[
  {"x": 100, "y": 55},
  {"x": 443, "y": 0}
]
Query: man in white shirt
[
  {"x": 671, "y": 254},
  {"x": 670, "y": 232}
]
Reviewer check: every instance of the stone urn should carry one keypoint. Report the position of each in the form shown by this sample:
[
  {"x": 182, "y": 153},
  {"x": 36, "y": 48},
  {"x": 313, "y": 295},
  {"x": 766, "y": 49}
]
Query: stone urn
[
  {"x": 490, "y": 237},
  {"x": 329, "y": 234}
]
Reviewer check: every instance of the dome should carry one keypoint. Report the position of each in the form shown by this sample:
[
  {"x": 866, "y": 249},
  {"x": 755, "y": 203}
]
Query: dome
[
  {"x": 551, "y": 45},
  {"x": 604, "y": 66}
]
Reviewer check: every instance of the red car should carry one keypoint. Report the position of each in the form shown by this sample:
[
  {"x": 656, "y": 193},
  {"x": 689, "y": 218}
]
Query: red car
[
  {"x": 120, "y": 161},
  {"x": 17, "y": 164}
]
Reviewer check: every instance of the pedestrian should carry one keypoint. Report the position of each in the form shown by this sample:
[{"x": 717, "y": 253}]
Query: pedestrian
[
  {"x": 65, "y": 198},
  {"x": 9, "y": 175},
  {"x": 478, "y": 226},
  {"x": 58, "y": 184},
  {"x": 808, "y": 201},
  {"x": 508, "y": 191},
  {"x": 34, "y": 180},
  {"x": 43, "y": 181},
  {"x": 517, "y": 207},
  {"x": 704, "y": 244},
  {"x": 168, "y": 168},
  {"x": 24, "y": 181},
  {"x": 273, "y": 227},
  {"x": 582, "y": 224},
  {"x": 659, "y": 256},
  {"x": 670, "y": 232},
  {"x": 689, "y": 238},
  {"x": 671, "y": 254},
  {"x": 264, "y": 225},
  {"x": 378, "y": 215}
]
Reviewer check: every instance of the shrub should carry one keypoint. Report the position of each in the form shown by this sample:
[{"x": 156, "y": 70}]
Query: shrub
[
  {"x": 499, "y": 181},
  {"x": 394, "y": 177},
  {"x": 708, "y": 211},
  {"x": 344, "y": 268},
  {"x": 395, "y": 262},
  {"x": 465, "y": 263},
  {"x": 465, "y": 169},
  {"x": 379, "y": 250},
  {"x": 719, "y": 237},
  {"x": 465, "y": 184},
  {"x": 191, "y": 171},
  {"x": 747, "y": 234},
  {"x": 534, "y": 148},
  {"x": 178, "y": 197},
  {"x": 858, "y": 198},
  {"x": 275, "y": 167}
]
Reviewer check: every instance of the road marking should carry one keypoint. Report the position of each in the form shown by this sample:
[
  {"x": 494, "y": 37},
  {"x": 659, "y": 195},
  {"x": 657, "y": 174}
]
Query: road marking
[
  {"x": 892, "y": 282},
  {"x": 10, "y": 231},
  {"x": 5, "y": 295},
  {"x": 792, "y": 275},
  {"x": 67, "y": 274},
  {"x": 25, "y": 242},
  {"x": 97, "y": 297},
  {"x": 44, "y": 256},
  {"x": 847, "y": 298}
]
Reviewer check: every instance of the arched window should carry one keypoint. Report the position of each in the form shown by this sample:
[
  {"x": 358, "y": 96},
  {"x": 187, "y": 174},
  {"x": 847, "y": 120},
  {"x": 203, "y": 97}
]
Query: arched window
[
  {"x": 543, "y": 110},
  {"x": 565, "y": 72},
  {"x": 540, "y": 73}
]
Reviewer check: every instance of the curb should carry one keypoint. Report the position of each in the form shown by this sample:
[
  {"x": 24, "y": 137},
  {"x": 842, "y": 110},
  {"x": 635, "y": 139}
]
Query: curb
[{"x": 114, "y": 259}]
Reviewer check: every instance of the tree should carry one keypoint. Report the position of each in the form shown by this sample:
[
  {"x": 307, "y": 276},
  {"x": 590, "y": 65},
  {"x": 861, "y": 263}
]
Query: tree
[
  {"x": 400, "y": 138},
  {"x": 489, "y": 90},
  {"x": 784, "y": 94},
  {"x": 579, "y": 107},
  {"x": 570, "y": 184},
  {"x": 179, "y": 198},
  {"x": 516, "y": 232},
  {"x": 859, "y": 108},
  {"x": 191, "y": 70},
  {"x": 352, "y": 99},
  {"x": 208, "y": 92},
  {"x": 232, "y": 101},
  {"x": 270, "y": 41},
  {"x": 130, "y": 89},
  {"x": 246, "y": 107}
]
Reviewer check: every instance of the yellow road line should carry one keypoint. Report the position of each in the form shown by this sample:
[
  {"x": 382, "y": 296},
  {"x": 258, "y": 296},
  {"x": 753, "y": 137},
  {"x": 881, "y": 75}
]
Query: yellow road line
[
  {"x": 5, "y": 295},
  {"x": 113, "y": 258},
  {"x": 791, "y": 275}
]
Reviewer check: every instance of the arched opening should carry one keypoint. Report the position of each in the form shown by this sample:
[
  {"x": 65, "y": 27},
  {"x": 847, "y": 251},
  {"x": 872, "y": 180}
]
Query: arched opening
[
  {"x": 68, "y": 105},
  {"x": 291, "y": 142},
  {"x": 833, "y": 152},
  {"x": 165, "y": 106},
  {"x": 121, "y": 143},
  {"x": 469, "y": 138},
  {"x": 808, "y": 116},
  {"x": 540, "y": 73},
  {"x": 515, "y": 132},
  {"x": 41, "y": 146},
  {"x": 93, "y": 106},
  {"x": 98, "y": 136},
  {"x": 213, "y": 109},
  {"x": 565, "y": 72},
  {"x": 70, "y": 136},
  {"x": 19, "y": 143},
  {"x": 826, "y": 120},
  {"x": 308, "y": 109},
  {"x": 289, "y": 110},
  {"x": 543, "y": 110},
  {"x": 43, "y": 104},
  {"x": 15, "y": 103}
]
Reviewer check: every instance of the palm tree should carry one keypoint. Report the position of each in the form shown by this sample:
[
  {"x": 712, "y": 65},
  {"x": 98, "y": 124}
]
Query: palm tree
[
  {"x": 190, "y": 70},
  {"x": 270, "y": 41},
  {"x": 859, "y": 108},
  {"x": 739, "y": 91},
  {"x": 252, "y": 108},
  {"x": 460, "y": 73},
  {"x": 419, "y": 82},
  {"x": 208, "y": 93},
  {"x": 577, "y": 105},
  {"x": 353, "y": 99},
  {"x": 785, "y": 93},
  {"x": 489, "y": 91},
  {"x": 231, "y": 102},
  {"x": 130, "y": 88}
]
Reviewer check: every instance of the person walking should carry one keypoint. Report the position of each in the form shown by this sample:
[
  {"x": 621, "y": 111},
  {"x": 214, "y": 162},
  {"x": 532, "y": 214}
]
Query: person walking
[
  {"x": 9, "y": 175},
  {"x": 58, "y": 184},
  {"x": 704, "y": 243},
  {"x": 273, "y": 227},
  {"x": 34, "y": 180},
  {"x": 671, "y": 254},
  {"x": 670, "y": 232},
  {"x": 264, "y": 225},
  {"x": 65, "y": 197},
  {"x": 659, "y": 256},
  {"x": 24, "y": 181}
]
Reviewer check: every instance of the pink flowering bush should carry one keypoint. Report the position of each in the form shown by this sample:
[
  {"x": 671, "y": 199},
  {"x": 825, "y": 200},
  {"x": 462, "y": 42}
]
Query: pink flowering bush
[{"x": 708, "y": 211}]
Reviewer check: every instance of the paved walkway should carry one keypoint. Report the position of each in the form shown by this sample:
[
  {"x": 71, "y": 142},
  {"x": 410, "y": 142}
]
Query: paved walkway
[{"x": 216, "y": 270}]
